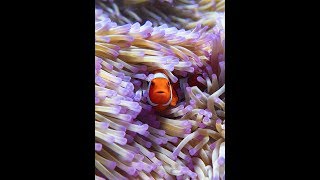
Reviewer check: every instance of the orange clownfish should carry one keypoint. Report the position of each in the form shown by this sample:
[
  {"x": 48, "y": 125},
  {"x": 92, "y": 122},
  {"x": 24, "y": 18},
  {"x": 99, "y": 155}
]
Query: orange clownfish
[{"x": 161, "y": 94}]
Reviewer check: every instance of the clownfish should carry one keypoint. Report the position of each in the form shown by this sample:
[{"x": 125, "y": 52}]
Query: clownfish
[
  {"x": 192, "y": 81},
  {"x": 161, "y": 93}
]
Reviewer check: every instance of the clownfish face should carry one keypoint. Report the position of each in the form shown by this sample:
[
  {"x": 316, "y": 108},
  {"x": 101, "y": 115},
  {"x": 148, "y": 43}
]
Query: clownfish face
[{"x": 160, "y": 91}]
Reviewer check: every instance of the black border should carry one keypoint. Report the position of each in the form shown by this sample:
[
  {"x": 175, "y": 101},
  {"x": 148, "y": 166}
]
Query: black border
[
  {"x": 248, "y": 93},
  {"x": 268, "y": 71},
  {"x": 48, "y": 132}
]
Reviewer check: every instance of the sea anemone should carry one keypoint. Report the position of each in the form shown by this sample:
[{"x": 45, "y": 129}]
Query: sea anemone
[
  {"x": 176, "y": 13},
  {"x": 132, "y": 140}
]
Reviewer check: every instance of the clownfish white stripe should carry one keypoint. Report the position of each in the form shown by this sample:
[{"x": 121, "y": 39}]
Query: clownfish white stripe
[
  {"x": 167, "y": 104},
  {"x": 159, "y": 75},
  {"x": 150, "y": 102}
]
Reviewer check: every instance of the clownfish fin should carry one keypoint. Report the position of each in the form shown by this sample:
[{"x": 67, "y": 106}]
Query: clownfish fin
[
  {"x": 175, "y": 85},
  {"x": 174, "y": 98}
]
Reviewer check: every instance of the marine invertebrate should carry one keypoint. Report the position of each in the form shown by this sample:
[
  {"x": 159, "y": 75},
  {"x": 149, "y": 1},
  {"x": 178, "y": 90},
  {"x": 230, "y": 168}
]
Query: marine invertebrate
[
  {"x": 176, "y": 13},
  {"x": 132, "y": 140}
]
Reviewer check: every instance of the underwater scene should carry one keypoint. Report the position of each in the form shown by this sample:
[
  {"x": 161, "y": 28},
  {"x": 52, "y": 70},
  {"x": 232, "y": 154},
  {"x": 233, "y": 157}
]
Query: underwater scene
[{"x": 159, "y": 89}]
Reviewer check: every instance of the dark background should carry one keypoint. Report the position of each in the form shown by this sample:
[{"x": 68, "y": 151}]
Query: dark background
[{"x": 48, "y": 75}]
